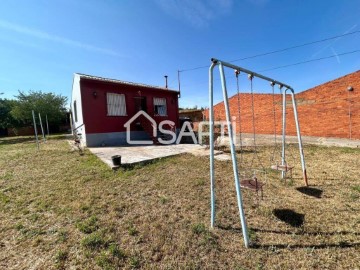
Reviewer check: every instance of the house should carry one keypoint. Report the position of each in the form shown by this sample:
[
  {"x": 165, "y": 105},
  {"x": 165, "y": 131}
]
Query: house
[
  {"x": 195, "y": 115},
  {"x": 331, "y": 109},
  {"x": 103, "y": 110}
]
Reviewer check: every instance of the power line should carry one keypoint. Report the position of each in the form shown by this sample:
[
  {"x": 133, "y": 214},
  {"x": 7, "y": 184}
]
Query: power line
[
  {"x": 308, "y": 61},
  {"x": 279, "y": 50}
]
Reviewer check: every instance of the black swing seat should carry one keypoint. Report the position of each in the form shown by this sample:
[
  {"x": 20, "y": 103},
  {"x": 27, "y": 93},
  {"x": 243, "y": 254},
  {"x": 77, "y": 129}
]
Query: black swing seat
[
  {"x": 253, "y": 184},
  {"x": 283, "y": 168}
]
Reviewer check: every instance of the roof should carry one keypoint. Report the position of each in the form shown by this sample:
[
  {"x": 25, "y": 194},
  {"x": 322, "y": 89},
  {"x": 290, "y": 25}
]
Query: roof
[
  {"x": 190, "y": 110},
  {"x": 97, "y": 78}
]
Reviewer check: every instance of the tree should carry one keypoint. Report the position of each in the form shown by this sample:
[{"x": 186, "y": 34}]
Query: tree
[
  {"x": 6, "y": 119},
  {"x": 50, "y": 104}
]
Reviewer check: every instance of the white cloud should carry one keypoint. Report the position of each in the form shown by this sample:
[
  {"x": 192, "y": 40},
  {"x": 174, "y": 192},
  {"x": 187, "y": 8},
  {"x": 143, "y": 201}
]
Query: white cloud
[
  {"x": 54, "y": 38},
  {"x": 196, "y": 12}
]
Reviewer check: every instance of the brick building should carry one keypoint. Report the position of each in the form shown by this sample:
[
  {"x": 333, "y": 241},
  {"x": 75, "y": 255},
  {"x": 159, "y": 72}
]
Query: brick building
[{"x": 327, "y": 110}]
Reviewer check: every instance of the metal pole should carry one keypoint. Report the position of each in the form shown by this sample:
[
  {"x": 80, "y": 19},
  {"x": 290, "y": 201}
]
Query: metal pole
[
  {"x": 35, "y": 129},
  {"x": 179, "y": 83},
  {"x": 47, "y": 125},
  {"x": 166, "y": 81},
  {"x": 71, "y": 124},
  {"x": 42, "y": 129},
  {"x": 233, "y": 157},
  {"x": 283, "y": 162},
  {"x": 350, "y": 122},
  {"x": 211, "y": 139},
  {"x": 299, "y": 137},
  {"x": 254, "y": 74}
]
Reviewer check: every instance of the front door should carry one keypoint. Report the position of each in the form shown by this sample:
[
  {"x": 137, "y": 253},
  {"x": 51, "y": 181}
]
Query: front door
[{"x": 140, "y": 104}]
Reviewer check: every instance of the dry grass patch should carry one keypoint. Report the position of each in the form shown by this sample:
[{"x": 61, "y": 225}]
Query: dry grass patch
[{"x": 61, "y": 210}]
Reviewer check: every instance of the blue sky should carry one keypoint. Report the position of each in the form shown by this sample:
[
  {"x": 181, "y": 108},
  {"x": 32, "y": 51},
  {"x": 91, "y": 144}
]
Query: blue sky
[{"x": 42, "y": 42}]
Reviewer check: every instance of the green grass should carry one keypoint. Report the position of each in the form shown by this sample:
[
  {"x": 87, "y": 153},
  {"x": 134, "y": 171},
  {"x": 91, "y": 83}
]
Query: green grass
[
  {"x": 132, "y": 230},
  {"x": 89, "y": 225},
  {"x": 3, "y": 198},
  {"x": 60, "y": 209},
  {"x": 93, "y": 241},
  {"x": 199, "y": 228},
  {"x": 61, "y": 256}
]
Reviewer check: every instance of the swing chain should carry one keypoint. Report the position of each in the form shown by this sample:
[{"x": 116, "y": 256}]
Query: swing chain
[
  {"x": 237, "y": 73},
  {"x": 274, "y": 119},
  {"x": 256, "y": 155}
]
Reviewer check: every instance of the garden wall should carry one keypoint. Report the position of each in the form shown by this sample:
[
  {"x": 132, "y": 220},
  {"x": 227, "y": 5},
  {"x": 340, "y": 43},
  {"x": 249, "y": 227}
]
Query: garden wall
[{"x": 327, "y": 110}]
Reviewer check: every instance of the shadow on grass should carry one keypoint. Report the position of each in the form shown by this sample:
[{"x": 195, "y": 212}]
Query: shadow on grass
[
  {"x": 319, "y": 246},
  {"x": 60, "y": 136},
  {"x": 304, "y": 232},
  {"x": 15, "y": 140},
  {"x": 238, "y": 151},
  {"x": 30, "y": 139},
  {"x": 229, "y": 228},
  {"x": 138, "y": 165},
  {"x": 298, "y": 246},
  {"x": 290, "y": 217},
  {"x": 310, "y": 191}
]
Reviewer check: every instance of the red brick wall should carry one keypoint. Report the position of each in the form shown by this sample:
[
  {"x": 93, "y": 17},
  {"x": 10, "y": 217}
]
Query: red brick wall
[{"x": 323, "y": 110}]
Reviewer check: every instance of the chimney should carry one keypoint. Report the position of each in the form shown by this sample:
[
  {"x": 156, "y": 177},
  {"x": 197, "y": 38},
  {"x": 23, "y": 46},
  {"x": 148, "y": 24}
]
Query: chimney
[{"x": 166, "y": 85}]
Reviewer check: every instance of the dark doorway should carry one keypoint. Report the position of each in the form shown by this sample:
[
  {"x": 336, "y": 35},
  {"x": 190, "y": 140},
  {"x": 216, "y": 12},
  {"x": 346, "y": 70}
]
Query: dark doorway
[{"x": 140, "y": 104}]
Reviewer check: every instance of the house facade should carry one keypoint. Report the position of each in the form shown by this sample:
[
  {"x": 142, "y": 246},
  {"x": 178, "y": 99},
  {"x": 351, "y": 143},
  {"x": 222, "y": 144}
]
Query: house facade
[{"x": 101, "y": 110}]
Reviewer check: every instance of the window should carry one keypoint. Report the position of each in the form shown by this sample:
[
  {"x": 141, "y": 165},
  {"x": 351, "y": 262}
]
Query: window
[
  {"x": 75, "y": 112},
  {"x": 160, "y": 106},
  {"x": 116, "y": 105}
]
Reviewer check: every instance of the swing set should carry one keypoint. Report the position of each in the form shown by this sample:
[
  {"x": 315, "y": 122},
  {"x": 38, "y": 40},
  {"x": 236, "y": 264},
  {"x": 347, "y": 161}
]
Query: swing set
[{"x": 253, "y": 182}]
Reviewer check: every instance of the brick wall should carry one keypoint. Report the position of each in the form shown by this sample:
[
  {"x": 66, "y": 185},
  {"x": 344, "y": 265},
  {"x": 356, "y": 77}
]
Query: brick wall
[{"x": 323, "y": 110}]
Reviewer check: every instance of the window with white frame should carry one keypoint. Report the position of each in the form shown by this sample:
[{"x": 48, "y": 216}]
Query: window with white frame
[
  {"x": 116, "y": 105},
  {"x": 160, "y": 106}
]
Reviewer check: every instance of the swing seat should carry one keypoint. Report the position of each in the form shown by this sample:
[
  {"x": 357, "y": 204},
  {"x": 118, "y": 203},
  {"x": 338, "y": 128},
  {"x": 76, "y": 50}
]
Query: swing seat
[
  {"x": 252, "y": 184},
  {"x": 283, "y": 168}
]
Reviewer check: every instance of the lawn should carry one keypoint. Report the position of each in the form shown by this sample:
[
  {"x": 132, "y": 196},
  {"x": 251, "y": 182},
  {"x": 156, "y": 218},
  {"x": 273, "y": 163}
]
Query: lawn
[{"x": 63, "y": 210}]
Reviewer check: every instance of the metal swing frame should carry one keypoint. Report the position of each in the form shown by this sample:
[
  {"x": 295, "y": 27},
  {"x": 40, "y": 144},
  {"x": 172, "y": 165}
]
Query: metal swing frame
[{"x": 222, "y": 64}]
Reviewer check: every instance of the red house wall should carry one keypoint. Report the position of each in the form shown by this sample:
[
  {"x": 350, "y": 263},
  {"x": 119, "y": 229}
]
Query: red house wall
[
  {"x": 323, "y": 110},
  {"x": 94, "y": 109}
]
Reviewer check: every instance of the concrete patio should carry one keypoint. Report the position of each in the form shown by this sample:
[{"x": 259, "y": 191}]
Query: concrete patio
[{"x": 132, "y": 155}]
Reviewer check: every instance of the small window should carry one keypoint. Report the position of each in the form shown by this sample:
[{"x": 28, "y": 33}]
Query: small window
[
  {"x": 75, "y": 112},
  {"x": 116, "y": 105},
  {"x": 160, "y": 106}
]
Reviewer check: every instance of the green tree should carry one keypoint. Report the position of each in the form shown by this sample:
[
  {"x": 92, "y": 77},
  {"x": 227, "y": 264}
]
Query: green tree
[
  {"x": 6, "y": 119},
  {"x": 50, "y": 104}
]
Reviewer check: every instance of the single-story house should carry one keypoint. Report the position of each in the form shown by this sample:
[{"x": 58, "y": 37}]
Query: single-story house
[{"x": 104, "y": 110}]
